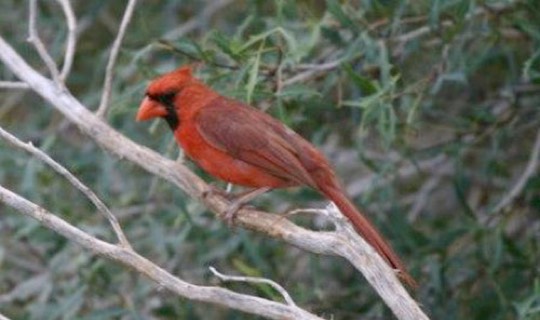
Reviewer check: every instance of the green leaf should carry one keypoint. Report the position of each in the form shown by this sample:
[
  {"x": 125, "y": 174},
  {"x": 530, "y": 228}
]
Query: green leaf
[
  {"x": 253, "y": 74},
  {"x": 365, "y": 85},
  {"x": 334, "y": 7},
  {"x": 332, "y": 35},
  {"x": 531, "y": 67},
  {"x": 298, "y": 91},
  {"x": 231, "y": 47},
  {"x": 189, "y": 47}
]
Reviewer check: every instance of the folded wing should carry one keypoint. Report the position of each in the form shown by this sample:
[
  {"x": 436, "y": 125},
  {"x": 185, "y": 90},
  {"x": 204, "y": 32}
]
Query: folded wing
[{"x": 253, "y": 137}]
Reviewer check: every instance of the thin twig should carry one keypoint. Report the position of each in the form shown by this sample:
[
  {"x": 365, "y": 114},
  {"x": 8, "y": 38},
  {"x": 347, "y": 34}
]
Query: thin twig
[
  {"x": 273, "y": 284},
  {"x": 33, "y": 38},
  {"x": 521, "y": 182},
  {"x": 129, "y": 258},
  {"x": 107, "y": 86},
  {"x": 311, "y": 71},
  {"x": 416, "y": 33},
  {"x": 29, "y": 147},
  {"x": 71, "y": 43},
  {"x": 13, "y": 85}
]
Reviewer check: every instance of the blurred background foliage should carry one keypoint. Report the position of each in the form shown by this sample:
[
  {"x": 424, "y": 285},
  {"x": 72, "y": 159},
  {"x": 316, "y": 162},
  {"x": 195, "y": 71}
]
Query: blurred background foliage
[{"x": 429, "y": 111}]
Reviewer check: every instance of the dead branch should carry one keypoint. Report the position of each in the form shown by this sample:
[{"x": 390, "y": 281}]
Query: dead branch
[
  {"x": 273, "y": 284},
  {"x": 107, "y": 85}
]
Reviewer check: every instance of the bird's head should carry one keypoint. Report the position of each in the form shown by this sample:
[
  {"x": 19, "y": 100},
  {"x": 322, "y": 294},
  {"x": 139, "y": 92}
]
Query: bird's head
[{"x": 159, "y": 100}]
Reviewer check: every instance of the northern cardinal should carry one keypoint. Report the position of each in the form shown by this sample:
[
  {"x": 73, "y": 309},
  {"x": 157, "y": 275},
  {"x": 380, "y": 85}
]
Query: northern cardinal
[{"x": 244, "y": 146}]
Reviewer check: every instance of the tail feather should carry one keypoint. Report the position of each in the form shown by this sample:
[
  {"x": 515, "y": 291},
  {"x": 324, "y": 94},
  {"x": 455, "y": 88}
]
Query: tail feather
[{"x": 366, "y": 229}]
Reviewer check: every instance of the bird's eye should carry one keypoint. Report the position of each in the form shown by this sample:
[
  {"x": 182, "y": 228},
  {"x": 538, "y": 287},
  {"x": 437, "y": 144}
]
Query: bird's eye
[{"x": 166, "y": 98}]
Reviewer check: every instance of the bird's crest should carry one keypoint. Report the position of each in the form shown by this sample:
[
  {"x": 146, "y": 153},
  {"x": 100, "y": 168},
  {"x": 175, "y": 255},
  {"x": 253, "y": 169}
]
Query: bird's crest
[{"x": 171, "y": 82}]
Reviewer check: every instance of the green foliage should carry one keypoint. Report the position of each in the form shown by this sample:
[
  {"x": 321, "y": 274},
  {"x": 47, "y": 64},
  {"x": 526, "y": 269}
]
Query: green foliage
[{"x": 428, "y": 110}]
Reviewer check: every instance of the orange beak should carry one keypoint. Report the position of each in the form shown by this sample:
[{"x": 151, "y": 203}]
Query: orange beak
[{"x": 150, "y": 109}]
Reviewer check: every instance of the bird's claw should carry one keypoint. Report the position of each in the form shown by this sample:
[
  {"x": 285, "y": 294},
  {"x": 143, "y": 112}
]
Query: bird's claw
[
  {"x": 234, "y": 206},
  {"x": 239, "y": 201},
  {"x": 231, "y": 212},
  {"x": 236, "y": 201},
  {"x": 213, "y": 190}
]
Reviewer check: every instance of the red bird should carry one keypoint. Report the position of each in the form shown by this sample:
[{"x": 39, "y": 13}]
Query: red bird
[{"x": 243, "y": 145}]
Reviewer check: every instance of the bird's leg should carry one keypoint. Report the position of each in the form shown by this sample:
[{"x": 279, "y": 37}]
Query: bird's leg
[
  {"x": 241, "y": 200},
  {"x": 181, "y": 156},
  {"x": 213, "y": 189},
  {"x": 236, "y": 200}
]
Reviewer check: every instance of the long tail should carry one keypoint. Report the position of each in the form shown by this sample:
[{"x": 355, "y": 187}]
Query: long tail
[{"x": 364, "y": 227}]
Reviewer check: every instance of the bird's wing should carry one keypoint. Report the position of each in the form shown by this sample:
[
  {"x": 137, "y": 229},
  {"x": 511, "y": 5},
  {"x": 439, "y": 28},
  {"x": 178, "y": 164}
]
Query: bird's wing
[{"x": 254, "y": 137}]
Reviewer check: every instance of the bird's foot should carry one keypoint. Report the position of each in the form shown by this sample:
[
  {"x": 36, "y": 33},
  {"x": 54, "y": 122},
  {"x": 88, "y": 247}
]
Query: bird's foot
[
  {"x": 231, "y": 211},
  {"x": 238, "y": 201}
]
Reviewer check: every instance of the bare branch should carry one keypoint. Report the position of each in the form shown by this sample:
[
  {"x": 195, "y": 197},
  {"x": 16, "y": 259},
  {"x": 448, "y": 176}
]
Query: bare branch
[
  {"x": 13, "y": 85},
  {"x": 312, "y": 70},
  {"x": 29, "y": 147},
  {"x": 71, "y": 22},
  {"x": 133, "y": 260},
  {"x": 329, "y": 243},
  {"x": 521, "y": 182},
  {"x": 33, "y": 38},
  {"x": 273, "y": 284},
  {"x": 2, "y": 317},
  {"x": 107, "y": 86}
]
